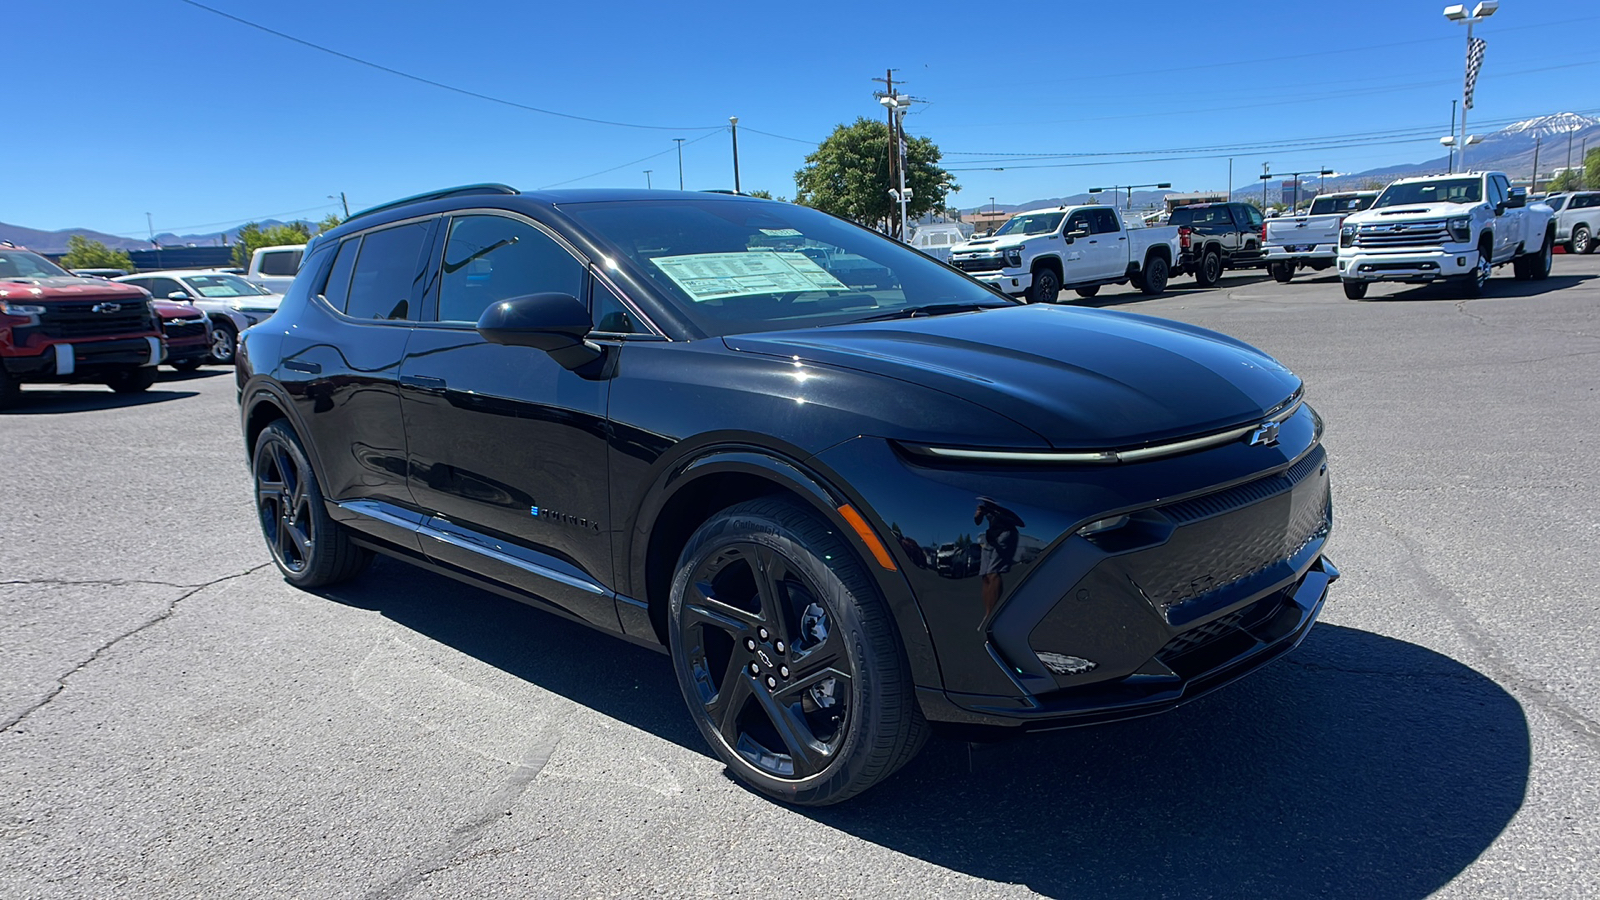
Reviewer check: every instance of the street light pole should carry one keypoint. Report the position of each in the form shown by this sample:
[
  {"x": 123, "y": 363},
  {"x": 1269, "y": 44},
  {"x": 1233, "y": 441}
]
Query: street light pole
[
  {"x": 733, "y": 123},
  {"x": 647, "y": 184},
  {"x": 680, "y": 162},
  {"x": 1458, "y": 13}
]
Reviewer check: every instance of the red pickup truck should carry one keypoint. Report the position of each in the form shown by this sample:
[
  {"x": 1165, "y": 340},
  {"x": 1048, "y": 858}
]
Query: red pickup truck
[{"x": 58, "y": 327}]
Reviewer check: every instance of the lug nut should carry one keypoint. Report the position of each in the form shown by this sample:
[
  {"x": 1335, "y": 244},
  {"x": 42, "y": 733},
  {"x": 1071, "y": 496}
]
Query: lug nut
[
  {"x": 771, "y": 682},
  {"x": 780, "y": 646},
  {"x": 750, "y": 643},
  {"x": 762, "y": 632},
  {"x": 784, "y": 671},
  {"x": 755, "y": 669}
]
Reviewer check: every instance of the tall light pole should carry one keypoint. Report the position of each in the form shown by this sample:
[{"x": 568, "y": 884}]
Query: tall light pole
[
  {"x": 1266, "y": 173},
  {"x": 1129, "y": 188},
  {"x": 680, "y": 162},
  {"x": 647, "y": 184},
  {"x": 733, "y": 123},
  {"x": 1458, "y": 14},
  {"x": 342, "y": 201},
  {"x": 898, "y": 104},
  {"x": 1450, "y": 167}
]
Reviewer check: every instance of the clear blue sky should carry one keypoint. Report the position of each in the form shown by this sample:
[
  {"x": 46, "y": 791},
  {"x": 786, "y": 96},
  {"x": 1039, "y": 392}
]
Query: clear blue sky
[{"x": 121, "y": 108}]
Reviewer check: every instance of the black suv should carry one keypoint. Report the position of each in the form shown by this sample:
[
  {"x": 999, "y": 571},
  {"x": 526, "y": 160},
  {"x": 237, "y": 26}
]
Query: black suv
[
  {"x": 845, "y": 509},
  {"x": 1217, "y": 236}
]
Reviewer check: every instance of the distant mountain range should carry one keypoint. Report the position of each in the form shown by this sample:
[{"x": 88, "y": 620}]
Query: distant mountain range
[{"x": 56, "y": 241}]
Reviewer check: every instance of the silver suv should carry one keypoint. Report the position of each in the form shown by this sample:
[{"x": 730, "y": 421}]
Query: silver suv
[
  {"x": 1577, "y": 217},
  {"x": 232, "y": 303}
]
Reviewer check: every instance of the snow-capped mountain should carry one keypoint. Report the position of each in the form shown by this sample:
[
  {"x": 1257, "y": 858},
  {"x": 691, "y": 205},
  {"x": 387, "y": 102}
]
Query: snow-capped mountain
[{"x": 1548, "y": 127}]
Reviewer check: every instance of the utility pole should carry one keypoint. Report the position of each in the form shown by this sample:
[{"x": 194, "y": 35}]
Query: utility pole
[
  {"x": 894, "y": 141},
  {"x": 1230, "y": 178},
  {"x": 1569, "y": 150},
  {"x": 680, "y": 162},
  {"x": 733, "y": 122},
  {"x": 1533, "y": 188},
  {"x": 1450, "y": 168},
  {"x": 647, "y": 184},
  {"x": 1266, "y": 173},
  {"x": 345, "y": 203}
]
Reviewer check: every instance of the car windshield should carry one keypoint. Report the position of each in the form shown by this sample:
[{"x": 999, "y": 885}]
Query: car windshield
[
  {"x": 23, "y": 264},
  {"x": 1327, "y": 205},
  {"x": 736, "y": 266},
  {"x": 1454, "y": 190},
  {"x": 223, "y": 286},
  {"x": 1031, "y": 223},
  {"x": 1555, "y": 203}
]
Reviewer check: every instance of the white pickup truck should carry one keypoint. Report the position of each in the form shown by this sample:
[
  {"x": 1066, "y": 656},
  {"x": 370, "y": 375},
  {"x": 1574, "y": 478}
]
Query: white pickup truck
[
  {"x": 274, "y": 267},
  {"x": 1456, "y": 227},
  {"x": 1310, "y": 240},
  {"x": 1039, "y": 252}
]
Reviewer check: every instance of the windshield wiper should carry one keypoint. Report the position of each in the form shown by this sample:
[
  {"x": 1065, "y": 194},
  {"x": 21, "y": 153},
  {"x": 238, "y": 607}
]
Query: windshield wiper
[{"x": 932, "y": 309}]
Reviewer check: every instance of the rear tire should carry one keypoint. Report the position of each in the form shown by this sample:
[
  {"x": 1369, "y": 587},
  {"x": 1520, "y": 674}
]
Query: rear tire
[
  {"x": 1282, "y": 272},
  {"x": 132, "y": 381},
  {"x": 1087, "y": 292},
  {"x": 1355, "y": 290},
  {"x": 1581, "y": 242},
  {"x": 188, "y": 365},
  {"x": 1209, "y": 272},
  {"x": 1046, "y": 286},
  {"x": 787, "y": 656},
  {"x": 309, "y": 548},
  {"x": 1153, "y": 280}
]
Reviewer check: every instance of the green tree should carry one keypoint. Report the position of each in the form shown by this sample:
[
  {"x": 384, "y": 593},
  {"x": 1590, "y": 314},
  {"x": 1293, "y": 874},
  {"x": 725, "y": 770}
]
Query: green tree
[
  {"x": 1591, "y": 170},
  {"x": 1568, "y": 180},
  {"x": 252, "y": 238},
  {"x": 330, "y": 223},
  {"x": 83, "y": 253},
  {"x": 848, "y": 175}
]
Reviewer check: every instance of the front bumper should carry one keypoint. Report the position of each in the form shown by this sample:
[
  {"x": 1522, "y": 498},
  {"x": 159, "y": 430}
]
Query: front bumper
[
  {"x": 85, "y": 360},
  {"x": 1413, "y": 266},
  {"x": 1007, "y": 281}
]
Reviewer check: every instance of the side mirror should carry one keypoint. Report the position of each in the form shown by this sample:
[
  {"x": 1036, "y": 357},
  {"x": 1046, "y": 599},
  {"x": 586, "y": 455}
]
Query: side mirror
[
  {"x": 179, "y": 296},
  {"x": 1518, "y": 198},
  {"x": 558, "y": 324},
  {"x": 1500, "y": 208},
  {"x": 1078, "y": 233}
]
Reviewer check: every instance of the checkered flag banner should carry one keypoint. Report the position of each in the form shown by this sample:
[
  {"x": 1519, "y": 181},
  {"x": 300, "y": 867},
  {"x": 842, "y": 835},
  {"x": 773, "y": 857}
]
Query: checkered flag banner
[{"x": 1474, "y": 63}]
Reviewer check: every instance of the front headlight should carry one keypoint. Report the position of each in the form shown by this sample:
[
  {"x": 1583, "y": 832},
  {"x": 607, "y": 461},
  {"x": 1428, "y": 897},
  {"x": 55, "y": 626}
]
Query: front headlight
[
  {"x": 1347, "y": 236},
  {"x": 1013, "y": 258},
  {"x": 1461, "y": 230},
  {"x": 13, "y": 308}
]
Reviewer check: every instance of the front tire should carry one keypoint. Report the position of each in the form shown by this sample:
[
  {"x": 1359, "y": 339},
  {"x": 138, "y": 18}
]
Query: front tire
[
  {"x": 1046, "y": 286},
  {"x": 1355, "y": 290},
  {"x": 1154, "y": 277},
  {"x": 309, "y": 548},
  {"x": 132, "y": 381},
  {"x": 1210, "y": 270},
  {"x": 1471, "y": 286},
  {"x": 787, "y": 656},
  {"x": 224, "y": 344},
  {"x": 1582, "y": 241}
]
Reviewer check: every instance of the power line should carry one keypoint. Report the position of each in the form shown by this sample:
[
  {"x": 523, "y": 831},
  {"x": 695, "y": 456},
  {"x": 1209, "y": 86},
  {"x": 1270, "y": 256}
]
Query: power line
[
  {"x": 672, "y": 149},
  {"x": 439, "y": 84},
  {"x": 174, "y": 229}
]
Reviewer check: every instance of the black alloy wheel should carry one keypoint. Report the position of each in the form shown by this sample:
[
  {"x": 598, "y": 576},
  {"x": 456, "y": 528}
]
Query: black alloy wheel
[
  {"x": 309, "y": 548},
  {"x": 787, "y": 657},
  {"x": 1087, "y": 292},
  {"x": 1582, "y": 241},
  {"x": 1355, "y": 290},
  {"x": 132, "y": 380},
  {"x": 1154, "y": 277},
  {"x": 224, "y": 344},
  {"x": 1046, "y": 286},
  {"x": 1210, "y": 271}
]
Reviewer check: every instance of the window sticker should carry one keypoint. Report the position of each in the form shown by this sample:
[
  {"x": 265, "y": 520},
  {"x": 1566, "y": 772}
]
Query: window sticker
[
  {"x": 781, "y": 232},
  {"x": 713, "y": 276}
]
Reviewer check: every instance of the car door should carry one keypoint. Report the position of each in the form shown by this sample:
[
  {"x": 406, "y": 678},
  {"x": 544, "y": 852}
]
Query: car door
[
  {"x": 1077, "y": 253},
  {"x": 507, "y": 449},
  {"x": 1251, "y": 222},
  {"x": 1508, "y": 226},
  {"x": 1110, "y": 244},
  {"x": 163, "y": 288},
  {"x": 340, "y": 365}
]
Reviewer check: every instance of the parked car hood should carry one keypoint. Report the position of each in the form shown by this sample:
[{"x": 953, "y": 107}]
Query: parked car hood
[
  {"x": 69, "y": 287},
  {"x": 169, "y": 309},
  {"x": 993, "y": 244},
  {"x": 1416, "y": 211},
  {"x": 1081, "y": 379}
]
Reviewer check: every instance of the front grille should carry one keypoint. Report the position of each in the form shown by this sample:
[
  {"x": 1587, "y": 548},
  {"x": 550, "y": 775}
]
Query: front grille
[
  {"x": 78, "y": 319},
  {"x": 1408, "y": 234},
  {"x": 980, "y": 264},
  {"x": 179, "y": 329},
  {"x": 1205, "y": 646}
]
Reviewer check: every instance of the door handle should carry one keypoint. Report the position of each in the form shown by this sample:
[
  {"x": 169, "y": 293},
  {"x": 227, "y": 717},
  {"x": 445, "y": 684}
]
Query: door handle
[
  {"x": 425, "y": 382},
  {"x": 1123, "y": 238},
  {"x": 309, "y": 368}
]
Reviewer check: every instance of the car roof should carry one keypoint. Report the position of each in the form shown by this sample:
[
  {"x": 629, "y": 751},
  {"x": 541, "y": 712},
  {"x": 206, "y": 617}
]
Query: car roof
[{"x": 176, "y": 273}]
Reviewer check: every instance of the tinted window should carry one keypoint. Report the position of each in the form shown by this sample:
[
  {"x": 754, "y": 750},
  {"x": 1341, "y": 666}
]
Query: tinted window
[
  {"x": 281, "y": 262},
  {"x": 1105, "y": 221},
  {"x": 163, "y": 287},
  {"x": 222, "y": 286},
  {"x": 1556, "y": 203},
  {"x": 337, "y": 293},
  {"x": 1031, "y": 223},
  {"x": 383, "y": 285},
  {"x": 1497, "y": 189},
  {"x": 613, "y": 316},
  {"x": 1585, "y": 201},
  {"x": 1454, "y": 190},
  {"x": 1210, "y": 216},
  {"x": 1079, "y": 222},
  {"x": 492, "y": 258},
  {"x": 23, "y": 264}
]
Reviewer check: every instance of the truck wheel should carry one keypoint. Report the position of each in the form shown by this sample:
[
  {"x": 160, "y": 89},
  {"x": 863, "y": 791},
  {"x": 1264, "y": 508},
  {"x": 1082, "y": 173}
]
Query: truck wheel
[
  {"x": 1355, "y": 290},
  {"x": 10, "y": 391},
  {"x": 1581, "y": 240},
  {"x": 1153, "y": 279},
  {"x": 1539, "y": 266},
  {"x": 1046, "y": 286},
  {"x": 1089, "y": 291},
  {"x": 1282, "y": 272},
  {"x": 224, "y": 344},
  {"x": 787, "y": 656},
  {"x": 187, "y": 365},
  {"x": 1471, "y": 286},
  {"x": 132, "y": 381},
  {"x": 1210, "y": 270}
]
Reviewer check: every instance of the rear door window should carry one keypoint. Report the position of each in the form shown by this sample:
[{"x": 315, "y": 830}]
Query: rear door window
[
  {"x": 1105, "y": 221},
  {"x": 281, "y": 262},
  {"x": 385, "y": 283}
]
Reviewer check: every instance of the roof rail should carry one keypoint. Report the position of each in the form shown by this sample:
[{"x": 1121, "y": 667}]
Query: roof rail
[{"x": 463, "y": 191}]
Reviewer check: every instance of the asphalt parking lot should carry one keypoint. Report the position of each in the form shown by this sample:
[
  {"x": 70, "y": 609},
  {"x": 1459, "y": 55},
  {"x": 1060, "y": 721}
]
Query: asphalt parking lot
[{"x": 177, "y": 721}]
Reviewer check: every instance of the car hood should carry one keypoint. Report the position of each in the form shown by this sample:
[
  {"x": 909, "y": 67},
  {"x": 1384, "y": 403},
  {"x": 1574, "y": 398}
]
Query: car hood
[
  {"x": 69, "y": 287},
  {"x": 1081, "y": 379},
  {"x": 994, "y": 244},
  {"x": 169, "y": 309},
  {"x": 1416, "y": 211}
]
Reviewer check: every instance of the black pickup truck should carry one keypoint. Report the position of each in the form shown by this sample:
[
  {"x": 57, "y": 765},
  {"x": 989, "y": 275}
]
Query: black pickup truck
[{"x": 1217, "y": 236}]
